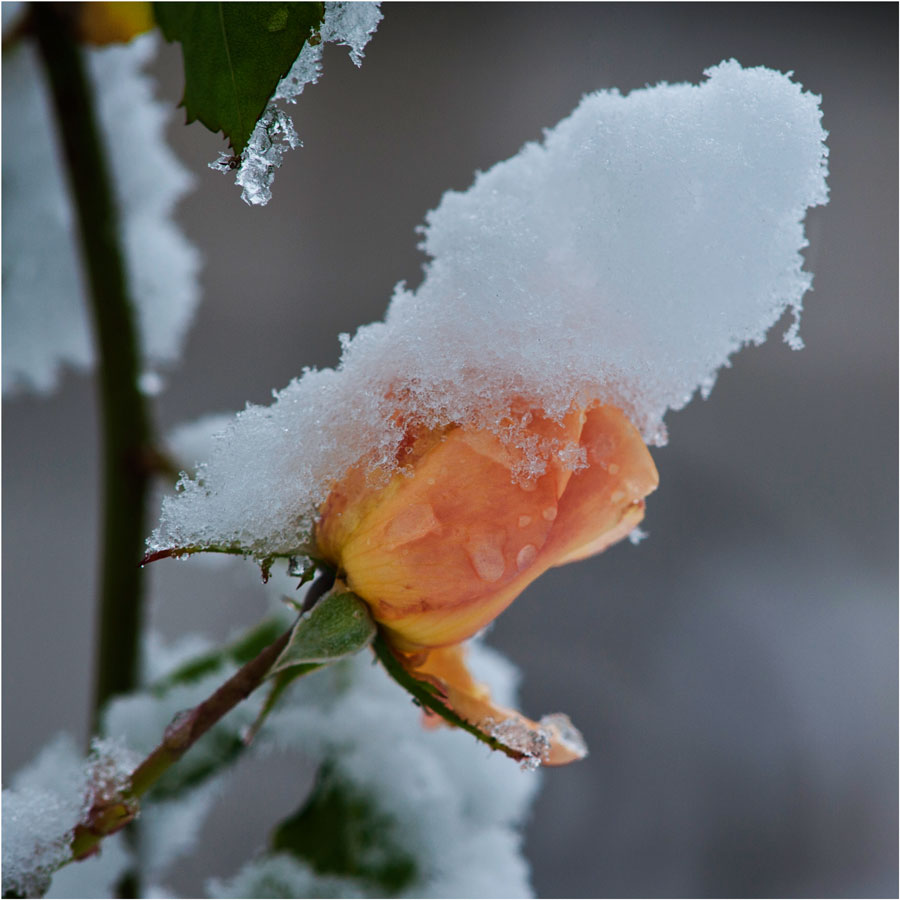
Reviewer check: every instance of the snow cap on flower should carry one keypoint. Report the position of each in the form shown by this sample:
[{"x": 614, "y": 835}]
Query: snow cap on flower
[{"x": 623, "y": 260}]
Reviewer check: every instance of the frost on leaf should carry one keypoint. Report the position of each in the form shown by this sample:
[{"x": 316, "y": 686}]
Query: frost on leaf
[
  {"x": 624, "y": 258},
  {"x": 348, "y": 23}
]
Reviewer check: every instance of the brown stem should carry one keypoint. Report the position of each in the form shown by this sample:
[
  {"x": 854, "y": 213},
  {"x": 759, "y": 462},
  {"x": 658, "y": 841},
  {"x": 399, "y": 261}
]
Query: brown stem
[{"x": 185, "y": 730}]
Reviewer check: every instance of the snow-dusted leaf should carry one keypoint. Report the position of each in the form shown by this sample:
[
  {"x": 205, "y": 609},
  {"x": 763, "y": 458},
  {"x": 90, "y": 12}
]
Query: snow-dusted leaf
[
  {"x": 341, "y": 831},
  {"x": 235, "y": 54}
]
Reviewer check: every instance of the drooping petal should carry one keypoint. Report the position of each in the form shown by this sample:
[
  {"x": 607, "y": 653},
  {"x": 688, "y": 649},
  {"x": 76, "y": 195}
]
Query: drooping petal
[{"x": 553, "y": 741}]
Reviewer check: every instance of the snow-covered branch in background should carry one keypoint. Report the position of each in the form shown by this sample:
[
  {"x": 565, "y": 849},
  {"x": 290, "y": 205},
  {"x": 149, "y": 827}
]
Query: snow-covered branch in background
[
  {"x": 347, "y": 23},
  {"x": 46, "y": 324}
]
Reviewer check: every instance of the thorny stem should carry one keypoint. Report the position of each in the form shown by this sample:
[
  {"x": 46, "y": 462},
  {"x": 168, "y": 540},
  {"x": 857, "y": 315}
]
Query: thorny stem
[
  {"x": 128, "y": 459},
  {"x": 186, "y": 729}
]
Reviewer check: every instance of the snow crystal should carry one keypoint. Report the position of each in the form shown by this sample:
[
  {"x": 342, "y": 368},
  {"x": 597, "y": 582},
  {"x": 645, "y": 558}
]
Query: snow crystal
[
  {"x": 347, "y": 23},
  {"x": 109, "y": 769},
  {"x": 624, "y": 258},
  {"x": 37, "y": 830},
  {"x": 45, "y": 318},
  {"x": 41, "y": 807},
  {"x": 636, "y": 535}
]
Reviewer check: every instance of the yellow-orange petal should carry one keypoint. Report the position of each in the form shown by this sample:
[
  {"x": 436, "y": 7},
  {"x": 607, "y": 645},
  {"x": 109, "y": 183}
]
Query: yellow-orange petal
[
  {"x": 109, "y": 23},
  {"x": 441, "y": 552},
  {"x": 553, "y": 741},
  {"x": 603, "y": 502}
]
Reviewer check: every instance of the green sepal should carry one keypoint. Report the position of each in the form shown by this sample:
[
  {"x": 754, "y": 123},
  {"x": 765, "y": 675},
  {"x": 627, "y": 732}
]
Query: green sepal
[
  {"x": 234, "y": 56},
  {"x": 339, "y": 625},
  {"x": 429, "y": 697}
]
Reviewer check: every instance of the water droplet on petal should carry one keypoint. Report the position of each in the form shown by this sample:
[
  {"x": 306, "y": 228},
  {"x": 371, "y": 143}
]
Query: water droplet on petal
[
  {"x": 524, "y": 521},
  {"x": 617, "y": 496},
  {"x": 564, "y": 732},
  {"x": 526, "y": 556},
  {"x": 487, "y": 558},
  {"x": 549, "y": 513},
  {"x": 410, "y": 524}
]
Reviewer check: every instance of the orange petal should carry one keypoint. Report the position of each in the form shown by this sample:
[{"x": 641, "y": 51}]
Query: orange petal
[
  {"x": 604, "y": 501},
  {"x": 553, "y": 741},
  {"x": 441, "y": 552}
]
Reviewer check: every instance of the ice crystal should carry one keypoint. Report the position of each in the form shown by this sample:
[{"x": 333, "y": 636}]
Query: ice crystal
[{"x": 351, "y": 24}]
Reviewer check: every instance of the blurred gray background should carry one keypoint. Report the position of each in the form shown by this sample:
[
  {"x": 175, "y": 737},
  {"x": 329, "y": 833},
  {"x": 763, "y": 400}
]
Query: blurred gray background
[{"x": 736, "y": 674}]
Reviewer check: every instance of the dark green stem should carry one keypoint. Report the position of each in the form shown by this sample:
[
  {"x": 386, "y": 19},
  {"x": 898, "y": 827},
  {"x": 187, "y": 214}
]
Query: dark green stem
[{"x": 127, "y": 453}]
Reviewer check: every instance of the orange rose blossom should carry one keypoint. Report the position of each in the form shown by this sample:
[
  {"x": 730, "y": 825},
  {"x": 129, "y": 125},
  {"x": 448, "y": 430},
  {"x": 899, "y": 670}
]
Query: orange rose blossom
[{"x": 454, "y": 537}]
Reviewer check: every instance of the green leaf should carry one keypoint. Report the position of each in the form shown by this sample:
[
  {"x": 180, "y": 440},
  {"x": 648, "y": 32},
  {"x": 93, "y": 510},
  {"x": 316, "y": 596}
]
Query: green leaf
[
  {"x": 234, "y": 56},
  {"x": 340, "y": 830},
  {"x": 428, "y": 696},
  {"x": 338, "y": 625}
]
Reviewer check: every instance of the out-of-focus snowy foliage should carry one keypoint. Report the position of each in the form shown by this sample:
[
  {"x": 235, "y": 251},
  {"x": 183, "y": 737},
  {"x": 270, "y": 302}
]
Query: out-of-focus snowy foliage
[
  {"x": 46, "y": 324},
  {"x": 42, "y": 806},
  {"x": 624, "y": 258},
  {"x": 348, "y": 23},
  {"x": 447, "y": 808}
]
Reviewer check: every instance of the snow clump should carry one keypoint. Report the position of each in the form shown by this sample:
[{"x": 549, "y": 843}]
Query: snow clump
[
  {"x": 45, "y": 802},
  {"x": 46, "y": 319},
  {"x": 624, "y": 258}
]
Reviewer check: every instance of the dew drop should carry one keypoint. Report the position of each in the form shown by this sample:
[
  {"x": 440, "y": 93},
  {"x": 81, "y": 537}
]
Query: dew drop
[
  {"x": 410, "y": 524},
  {"x": 526, "y": 556},
  {"x": 549, "y": 513},
  {"x": 601, "y": 448},
  {"x": 487, "y": 558},
  {"x": 524, "y": 521},
  {"x": 617, "y": 496}
]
